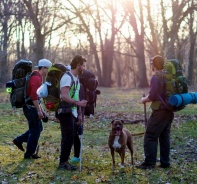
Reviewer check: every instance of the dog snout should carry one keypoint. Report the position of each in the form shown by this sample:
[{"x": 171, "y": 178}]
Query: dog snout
[{"x": 118, "y": 127}]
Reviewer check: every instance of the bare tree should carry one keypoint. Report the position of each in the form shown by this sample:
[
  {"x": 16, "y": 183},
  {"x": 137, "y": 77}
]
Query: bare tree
[
  {"x": 193, "y": 34},
  {"x": 7, "y": 25},
  {"x": 40, "y": 13},
  {"x": 139, "y": 38}
]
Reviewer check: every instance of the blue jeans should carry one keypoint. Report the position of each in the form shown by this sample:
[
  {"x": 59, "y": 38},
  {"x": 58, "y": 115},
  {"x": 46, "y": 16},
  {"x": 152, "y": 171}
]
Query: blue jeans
[{"x": 32, "y": 135}]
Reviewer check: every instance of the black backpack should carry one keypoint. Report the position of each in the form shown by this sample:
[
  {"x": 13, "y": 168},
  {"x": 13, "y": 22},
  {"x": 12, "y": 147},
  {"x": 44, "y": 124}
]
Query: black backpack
[
  {"x": 90, "y": 84},
  {"x": 21, "y": 74}
]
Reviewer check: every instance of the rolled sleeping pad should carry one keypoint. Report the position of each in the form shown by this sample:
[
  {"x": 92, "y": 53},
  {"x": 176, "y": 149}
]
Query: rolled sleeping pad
[{"x": 183, "y": 99}]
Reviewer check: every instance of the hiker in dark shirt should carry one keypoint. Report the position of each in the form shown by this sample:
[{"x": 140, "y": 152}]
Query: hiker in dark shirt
[
  {"x": 33, "y": 112},
  {"x": 159, "y": 124}
]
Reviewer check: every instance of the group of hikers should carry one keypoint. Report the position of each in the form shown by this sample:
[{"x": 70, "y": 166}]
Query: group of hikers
[{"x": 157, "y": 130}]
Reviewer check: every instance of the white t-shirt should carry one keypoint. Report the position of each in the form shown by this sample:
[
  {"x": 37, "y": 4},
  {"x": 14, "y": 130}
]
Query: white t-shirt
[{"x": 66, "y": 81}]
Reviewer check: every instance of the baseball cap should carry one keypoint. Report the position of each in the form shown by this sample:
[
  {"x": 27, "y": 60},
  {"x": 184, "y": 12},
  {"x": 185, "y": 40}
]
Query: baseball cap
[{"x": 44, "y": 63}]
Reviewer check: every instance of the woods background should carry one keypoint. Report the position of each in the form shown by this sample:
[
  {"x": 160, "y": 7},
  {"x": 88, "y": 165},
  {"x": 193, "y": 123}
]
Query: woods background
[{"x": 118, "y": 37}]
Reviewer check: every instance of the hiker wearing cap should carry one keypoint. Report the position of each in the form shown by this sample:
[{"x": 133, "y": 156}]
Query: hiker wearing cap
[
  {"x": 159, "y": 124},
  {"x": 69, "y": 112},
  {"x": 33, "y": 112}
]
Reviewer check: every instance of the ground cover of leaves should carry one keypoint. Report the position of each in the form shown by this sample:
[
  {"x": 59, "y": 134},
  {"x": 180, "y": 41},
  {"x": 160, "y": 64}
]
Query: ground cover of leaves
[{"x": 96, "y": 160}]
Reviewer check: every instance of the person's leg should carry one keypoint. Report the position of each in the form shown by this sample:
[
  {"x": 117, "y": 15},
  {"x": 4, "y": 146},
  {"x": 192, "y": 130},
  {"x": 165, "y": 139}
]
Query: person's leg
[
  {"x": 77, "y": 143},
  {"x": 155, "y": 126},
  {"x": 35, "y": 128},
  {"x": 164, "y": 141},
  {"x": 67, "y": 133},
  {"x": 151, "y": 140},
  {"x": 18, "y": 141},
  {"x": 77, "y": 146}
]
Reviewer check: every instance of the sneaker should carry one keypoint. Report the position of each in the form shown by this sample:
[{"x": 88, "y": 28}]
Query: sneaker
[
  {"x": 145, "y": 166},
  {"x": 34, "y": 156},
  {"x": 19, "y": 145},
  {"x": 75, "y": 160},
  {"x": 67, "y": 166},
  {"x": 164, "y": 165}
]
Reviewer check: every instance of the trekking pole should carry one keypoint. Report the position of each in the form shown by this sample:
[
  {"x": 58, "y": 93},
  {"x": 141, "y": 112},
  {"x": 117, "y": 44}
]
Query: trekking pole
[
  {"x": 145, "y": 116},
  {"x": 80, "y": 133}
]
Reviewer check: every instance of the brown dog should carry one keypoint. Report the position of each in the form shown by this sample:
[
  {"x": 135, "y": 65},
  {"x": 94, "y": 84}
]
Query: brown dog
[{"x": 119, "y": 138}]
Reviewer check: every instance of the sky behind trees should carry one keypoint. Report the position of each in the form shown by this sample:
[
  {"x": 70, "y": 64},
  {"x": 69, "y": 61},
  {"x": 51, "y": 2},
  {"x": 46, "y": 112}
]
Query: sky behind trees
[{"x": 118, "y": 37}]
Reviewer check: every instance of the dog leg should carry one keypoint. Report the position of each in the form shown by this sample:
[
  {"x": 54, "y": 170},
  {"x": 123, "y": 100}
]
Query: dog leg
[
  {"x": 122, "y": 155},
  {"x": 113, "y": 159},
  {"x": 131, "y": 152}
]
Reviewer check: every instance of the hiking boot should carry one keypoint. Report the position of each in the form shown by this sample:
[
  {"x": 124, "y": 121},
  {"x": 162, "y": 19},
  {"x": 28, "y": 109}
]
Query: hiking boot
[
  {"x": 67, "y": 166},
  {"x": 34, "y": 156},
  {"x": 164, "y": 165},
  {"x": 75, "y": 160},
  {"x": 145, "y": 166},
  {"x": 19, "y": 145}
]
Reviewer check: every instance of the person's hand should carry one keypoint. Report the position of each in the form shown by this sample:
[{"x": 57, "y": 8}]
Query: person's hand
[
  {"x": 80, "y": 120},
  {"x": 57, "y": 120},
  {"x": 143, "y": 100},
  {"x": 82, "y": 103},
  {"x": 44, "y": 113},
  {"x": 40, "y": 115}
]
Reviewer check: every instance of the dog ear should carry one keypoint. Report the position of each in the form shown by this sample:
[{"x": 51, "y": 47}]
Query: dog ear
[
  {"x": 122, "y": 121},
  {"x": 112, "y": 121}
]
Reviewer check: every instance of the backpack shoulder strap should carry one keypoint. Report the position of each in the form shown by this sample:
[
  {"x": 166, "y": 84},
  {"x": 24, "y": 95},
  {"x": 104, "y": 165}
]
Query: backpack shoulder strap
[
  {"x": 28, "y": 76},
  {"x": 73, "y": 83},
  {"x": 72, "y": 79}
]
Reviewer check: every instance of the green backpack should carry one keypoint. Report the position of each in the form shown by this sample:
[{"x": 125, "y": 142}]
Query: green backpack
[
  {"x": 174, "y": 82},
  {"x": 56, "y": 71}
]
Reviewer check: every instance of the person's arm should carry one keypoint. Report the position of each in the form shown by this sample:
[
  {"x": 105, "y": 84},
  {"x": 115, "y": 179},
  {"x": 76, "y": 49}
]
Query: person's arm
[
  {"x": 34, "y": 83},
  {"x": 39, "y": 110},
  {"x": 145, "y": 99},
  {"x": 80, "y": 118},
  {"x": 66, "y": 97},
  {"x": 154, "y": 90}
]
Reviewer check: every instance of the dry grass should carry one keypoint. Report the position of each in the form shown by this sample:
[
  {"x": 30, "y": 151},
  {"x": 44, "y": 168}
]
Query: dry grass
[{"x": 96, "y": 163}]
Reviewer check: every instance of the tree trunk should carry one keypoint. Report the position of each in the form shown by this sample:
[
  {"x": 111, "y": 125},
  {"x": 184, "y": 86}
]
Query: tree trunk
[
  {"x": 4, "y": 66},
  {"x": 39, "y": 45},
  {"x": 191, "y": 50}
]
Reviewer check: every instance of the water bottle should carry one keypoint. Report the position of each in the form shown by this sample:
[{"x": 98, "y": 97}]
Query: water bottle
[
  {"x": 9, "y": 86},
  {"x": 80, "y": 130}
]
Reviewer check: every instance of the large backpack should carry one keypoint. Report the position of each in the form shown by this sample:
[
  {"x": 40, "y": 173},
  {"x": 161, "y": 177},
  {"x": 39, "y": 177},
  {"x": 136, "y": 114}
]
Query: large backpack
[
  {"x": 21, "y": 74},
  {"x": 56, "y": 71},
  {"x": 90, "y": 83},
  {"x": 174, "y": 82}
]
